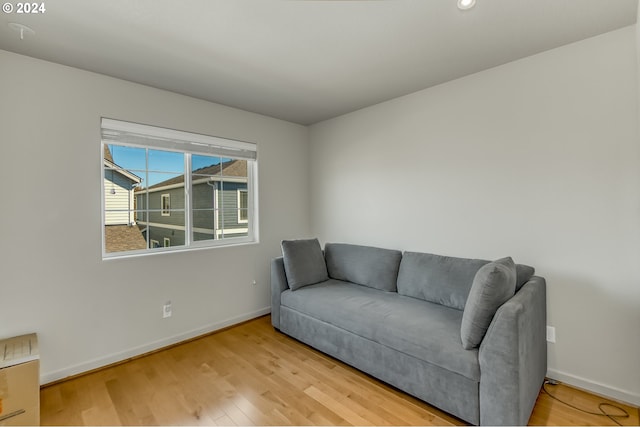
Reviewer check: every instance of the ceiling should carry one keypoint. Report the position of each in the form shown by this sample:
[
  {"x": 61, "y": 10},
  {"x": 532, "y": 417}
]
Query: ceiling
[{"x": 302, "y": 60}]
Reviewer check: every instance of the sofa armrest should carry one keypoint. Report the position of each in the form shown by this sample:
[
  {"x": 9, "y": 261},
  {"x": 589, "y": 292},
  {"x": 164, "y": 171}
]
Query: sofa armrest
[
  {"x": 278, "y": 285},
  {"x": 513, "y": 357}
]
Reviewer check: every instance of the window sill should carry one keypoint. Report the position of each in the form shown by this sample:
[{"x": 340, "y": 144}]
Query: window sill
[{"x": 173, "y": 249}]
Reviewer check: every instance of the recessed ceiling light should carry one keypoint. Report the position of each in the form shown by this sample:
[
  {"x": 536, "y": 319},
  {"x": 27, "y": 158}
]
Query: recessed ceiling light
[
  {"x": 466, "y": 4},
  {"x": 22, "y": 29}
]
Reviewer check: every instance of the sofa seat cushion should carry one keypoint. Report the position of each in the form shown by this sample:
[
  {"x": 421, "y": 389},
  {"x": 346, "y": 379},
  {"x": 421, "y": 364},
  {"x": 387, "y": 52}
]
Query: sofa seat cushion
[{"x": 426, "y": 331}]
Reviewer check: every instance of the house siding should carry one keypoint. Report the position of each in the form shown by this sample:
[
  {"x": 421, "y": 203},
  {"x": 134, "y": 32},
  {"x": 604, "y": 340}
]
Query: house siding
[
  {"x": 228, "y": 203},
  {"x": 176, "y": 215},
  {"x": 177, "y": 237},
  {"x": 118, "y": 199},
  {"x": 203, "y": 212}
]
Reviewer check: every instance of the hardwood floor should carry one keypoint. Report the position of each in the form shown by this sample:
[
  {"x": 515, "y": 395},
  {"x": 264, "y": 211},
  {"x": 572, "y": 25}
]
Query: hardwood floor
[{"x": 253, "y": 375}]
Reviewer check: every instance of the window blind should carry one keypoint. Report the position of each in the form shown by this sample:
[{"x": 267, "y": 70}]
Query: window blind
[{"x": 117, "y": 131}]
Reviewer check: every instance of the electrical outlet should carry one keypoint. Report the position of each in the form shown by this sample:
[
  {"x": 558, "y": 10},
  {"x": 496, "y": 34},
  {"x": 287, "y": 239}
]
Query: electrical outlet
[
  {"x": 551, "y": 334},
  {"x": 166, "y": 310}
]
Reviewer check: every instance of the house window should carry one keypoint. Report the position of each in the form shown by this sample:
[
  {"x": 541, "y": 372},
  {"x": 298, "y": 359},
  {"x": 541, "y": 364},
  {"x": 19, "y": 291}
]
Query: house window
[
  {"x": 186, "y": 190},
  {"x": 165, "y": 204},
  {"x": 243, "y": 206}
]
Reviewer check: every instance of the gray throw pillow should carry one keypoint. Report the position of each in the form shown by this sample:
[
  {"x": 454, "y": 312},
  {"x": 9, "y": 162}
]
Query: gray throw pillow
[
  {"x": 493, "y": 285},
  {"x": 303, "y": 263}
]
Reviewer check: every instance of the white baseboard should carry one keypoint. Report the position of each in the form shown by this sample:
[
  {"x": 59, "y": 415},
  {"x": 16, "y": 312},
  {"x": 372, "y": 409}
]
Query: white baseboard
[
  {"x": 605, "y": 390},
  {"x": 89, "y": 365}
]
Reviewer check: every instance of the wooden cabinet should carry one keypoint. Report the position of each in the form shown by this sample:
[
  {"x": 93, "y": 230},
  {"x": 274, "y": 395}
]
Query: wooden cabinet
[{"x": 19, "y": 381}]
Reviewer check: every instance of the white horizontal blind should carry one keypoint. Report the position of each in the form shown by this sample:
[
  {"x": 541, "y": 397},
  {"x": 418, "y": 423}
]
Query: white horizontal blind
[{"x": 116, "y": 131}]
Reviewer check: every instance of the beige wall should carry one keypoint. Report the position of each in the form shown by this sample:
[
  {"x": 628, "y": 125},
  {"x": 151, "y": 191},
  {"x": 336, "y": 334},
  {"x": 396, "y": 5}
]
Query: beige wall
[
  {"x": 89, "y": 312},
  {"x": 537, "y": 159}
]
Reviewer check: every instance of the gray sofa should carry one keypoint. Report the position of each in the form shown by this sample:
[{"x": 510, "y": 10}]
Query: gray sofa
[{"x": 429, "y": 325}]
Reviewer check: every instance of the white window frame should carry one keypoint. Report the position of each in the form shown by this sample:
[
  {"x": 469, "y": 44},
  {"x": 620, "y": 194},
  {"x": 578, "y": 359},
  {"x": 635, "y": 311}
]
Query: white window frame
[
  {"x": 154, "y": 243},
  {"x": 166, "y": 242},
  {"x": 143, "y": 136},
  {"x": 240, "y": 209},
  {"x": 163, "y": 211}
]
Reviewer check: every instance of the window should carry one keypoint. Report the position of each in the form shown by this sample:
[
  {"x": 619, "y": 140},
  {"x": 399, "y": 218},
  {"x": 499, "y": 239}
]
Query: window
[
  {"x": 185, "y": 190},
  {"x": 165, "y": 204},
  {"x": 243, "y": 206}
]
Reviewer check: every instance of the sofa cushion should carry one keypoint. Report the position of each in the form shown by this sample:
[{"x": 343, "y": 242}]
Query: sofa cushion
[
  {"x": 363, "y": 265},
  {"x": 494, "y": 283},
  {"x": 523, "y": 274},
  {"x": 426, "y": 331},
  {"x": 303, "y": 263},
  {"x": 440, "y": 279}
]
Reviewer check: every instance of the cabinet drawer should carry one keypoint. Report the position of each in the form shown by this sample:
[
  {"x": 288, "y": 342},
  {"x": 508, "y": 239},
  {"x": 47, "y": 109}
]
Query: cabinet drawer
[
  {"x": 30, "y": 417},
  {"x": 20, "y": 392}
]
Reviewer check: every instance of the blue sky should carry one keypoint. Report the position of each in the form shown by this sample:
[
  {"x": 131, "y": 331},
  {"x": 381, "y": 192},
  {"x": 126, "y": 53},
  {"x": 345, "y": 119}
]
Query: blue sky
[{"x": 163, "y": 165}]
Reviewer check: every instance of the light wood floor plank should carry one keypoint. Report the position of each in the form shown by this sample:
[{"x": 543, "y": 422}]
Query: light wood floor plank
[{"x": 251, "y": 374}]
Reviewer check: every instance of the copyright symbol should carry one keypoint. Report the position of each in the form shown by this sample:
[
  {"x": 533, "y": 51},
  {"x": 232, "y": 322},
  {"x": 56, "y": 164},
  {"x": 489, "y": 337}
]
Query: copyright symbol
[{"x": 7, "y": 8}]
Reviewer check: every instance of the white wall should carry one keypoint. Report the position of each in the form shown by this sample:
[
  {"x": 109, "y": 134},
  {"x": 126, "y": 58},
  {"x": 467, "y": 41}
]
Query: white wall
[
  {"x": 537, "y": 159},
  {"x": 89, "y": 312}
]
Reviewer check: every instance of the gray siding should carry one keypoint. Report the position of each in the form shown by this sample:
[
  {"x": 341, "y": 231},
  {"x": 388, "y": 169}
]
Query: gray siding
[
  {"x": 203, "y": 212},
  {"x": 177, "y": 237},
  {"x": 228, "y": 203}
]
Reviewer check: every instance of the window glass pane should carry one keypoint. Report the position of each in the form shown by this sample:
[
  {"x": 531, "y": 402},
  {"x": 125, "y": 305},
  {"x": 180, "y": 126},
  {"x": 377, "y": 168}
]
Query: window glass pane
[
  {"x": 122, "y": 238},
  {"x": 216, "y": 185},
  {"x": 205, "y": 181},
  {"x": 235, "y": 199},
  {"x": 123, "y": 171},
  {"x": 166, "y": 161},
  {"x": 140, "y": 214},
  {"x": 132, "y": 159},
  {"x": 162, "y": 179},
  {"x": 205, "y": 165},
  {"x": 160, "y": 232},
  {"x": 243, "y": 205},
  {"x": 204, "y": 224}
]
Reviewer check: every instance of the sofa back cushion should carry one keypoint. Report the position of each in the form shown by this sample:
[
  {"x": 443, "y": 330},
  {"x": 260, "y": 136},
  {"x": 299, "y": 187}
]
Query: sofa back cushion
[
  {"x": 364, "y": 265},
  {"x": 441, "y": 279},
  {"x": 303, "y": 263},
  {"x": 445, "y": 280},
  {"x": 523, "y": 274}
]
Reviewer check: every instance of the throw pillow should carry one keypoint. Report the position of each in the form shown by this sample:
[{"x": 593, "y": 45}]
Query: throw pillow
[
  {"x": 493, "y": 285},
  {"x": 303, "y": 263}
]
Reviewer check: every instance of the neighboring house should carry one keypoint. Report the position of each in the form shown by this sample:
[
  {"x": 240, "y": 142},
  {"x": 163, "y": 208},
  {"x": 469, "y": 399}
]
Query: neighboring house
[
  {"x": 121, "y": 234},
  {"x": 219, "y": 199}
]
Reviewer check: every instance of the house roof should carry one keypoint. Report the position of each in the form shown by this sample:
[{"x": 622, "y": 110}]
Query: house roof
[
  {"x": 231, "y": 168},
  {"x": 107, "y": 154},
  {"x": 120, "y": 238}
]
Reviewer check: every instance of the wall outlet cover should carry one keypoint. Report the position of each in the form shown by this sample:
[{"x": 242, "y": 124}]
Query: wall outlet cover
[
  {"x": 551, "y": 334},
  {"x": 166, "y": 310}
]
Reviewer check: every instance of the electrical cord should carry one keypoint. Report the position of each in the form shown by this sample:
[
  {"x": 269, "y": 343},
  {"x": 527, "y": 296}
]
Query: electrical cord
[{"x": 601, "y": 406}]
